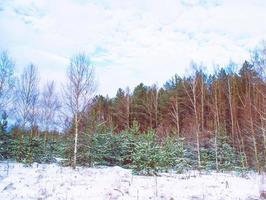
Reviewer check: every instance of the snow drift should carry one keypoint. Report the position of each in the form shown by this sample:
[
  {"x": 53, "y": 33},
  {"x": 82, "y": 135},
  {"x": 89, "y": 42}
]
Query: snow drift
[{"x": 56, "y": 182}]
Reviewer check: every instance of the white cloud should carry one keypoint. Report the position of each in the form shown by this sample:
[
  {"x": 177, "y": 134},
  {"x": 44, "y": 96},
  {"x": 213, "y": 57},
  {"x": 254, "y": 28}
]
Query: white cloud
[{"x": 130, "y": 41}]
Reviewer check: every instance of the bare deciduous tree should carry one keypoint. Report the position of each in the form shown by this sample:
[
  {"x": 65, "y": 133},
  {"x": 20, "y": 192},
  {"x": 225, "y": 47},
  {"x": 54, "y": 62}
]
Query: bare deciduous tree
[
  {"x": 26, "y": 104},
  {"x": 175, "y": 114},
  {"x": 7, "y": 80},
  {"x": 50, "y": 106},
  {"x": 27, "y": 93},
  {"x": 79, "y": 91},
  {"x": 192, "y": 94}
]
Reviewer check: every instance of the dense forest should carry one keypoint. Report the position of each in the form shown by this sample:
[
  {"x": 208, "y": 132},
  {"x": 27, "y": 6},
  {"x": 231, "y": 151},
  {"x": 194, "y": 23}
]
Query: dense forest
[{"x": 199, "y": 121}]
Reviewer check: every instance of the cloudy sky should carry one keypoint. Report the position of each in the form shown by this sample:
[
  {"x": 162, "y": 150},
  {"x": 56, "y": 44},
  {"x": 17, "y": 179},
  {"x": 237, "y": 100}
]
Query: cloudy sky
[{"x": 130, "y": 41}]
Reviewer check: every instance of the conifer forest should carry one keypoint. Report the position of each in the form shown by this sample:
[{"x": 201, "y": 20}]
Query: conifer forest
[{"x": 201, "y": 121}]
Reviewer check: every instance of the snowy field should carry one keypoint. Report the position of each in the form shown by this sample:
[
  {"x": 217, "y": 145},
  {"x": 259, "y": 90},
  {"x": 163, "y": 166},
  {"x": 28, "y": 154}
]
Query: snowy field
[{"x": 55, "y": 182}]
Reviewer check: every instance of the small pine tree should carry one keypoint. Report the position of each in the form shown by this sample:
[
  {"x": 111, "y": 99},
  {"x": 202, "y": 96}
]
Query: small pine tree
[
  {"x": 146, "y": 155},
  {"x": 190, "y": 156},
  {"x": 172, "y": 155},
  {"x": 5, "y": 138},
  {"x": 228, "y": 157},
  {"x": 122, "y": 148},
  {"x": 101, "y": 149}
]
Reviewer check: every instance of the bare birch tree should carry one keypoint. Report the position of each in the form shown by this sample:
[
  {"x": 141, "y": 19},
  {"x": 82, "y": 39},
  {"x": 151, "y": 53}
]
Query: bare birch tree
[
  {"x": 191, "y": 91},
  {"x": 79, "y": 91},
  {"x": 217, "y": 122},
  {"x": 175, "y": 113}
]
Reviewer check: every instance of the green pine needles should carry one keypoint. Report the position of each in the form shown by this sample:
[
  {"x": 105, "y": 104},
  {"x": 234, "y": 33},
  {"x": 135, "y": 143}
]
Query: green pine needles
[{"x": 143, "y": 152}]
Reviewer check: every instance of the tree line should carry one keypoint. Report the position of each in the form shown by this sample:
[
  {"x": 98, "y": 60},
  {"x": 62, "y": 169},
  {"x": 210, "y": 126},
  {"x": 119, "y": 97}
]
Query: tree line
[{"x": 201, "y": 120}]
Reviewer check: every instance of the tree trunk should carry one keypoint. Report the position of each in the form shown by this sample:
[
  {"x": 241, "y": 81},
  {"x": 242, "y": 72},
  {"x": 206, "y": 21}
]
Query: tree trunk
[
  {"x": 231, "y": 110},
  {"x": 216, "y": 151},
  {"x": 128, "y": 111},
  {"x": 252, "y": 126},
  {"x": 245, "y": 164},
  {"x": 202, "y": 104},
  {"x": 264, "y": 139},
  {"x": 177, "y": 118},
  {"x": 217, "y": 126},
  {"x": 197, "y": 123},
  {"x": 76, "y": 141},
  {"x": 156, "y": 109}
]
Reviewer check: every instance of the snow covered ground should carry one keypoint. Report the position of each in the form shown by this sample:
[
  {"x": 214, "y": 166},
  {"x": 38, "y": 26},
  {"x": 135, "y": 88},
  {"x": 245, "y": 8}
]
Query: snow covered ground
[{"x": 55, "y": 182}]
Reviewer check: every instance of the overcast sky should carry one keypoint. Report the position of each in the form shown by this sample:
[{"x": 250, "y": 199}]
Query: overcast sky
[{"x": 130, "y": 41}]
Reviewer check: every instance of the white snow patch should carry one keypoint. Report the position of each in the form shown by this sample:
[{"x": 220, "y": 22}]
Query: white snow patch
[{"x": 56, "y": 182}]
